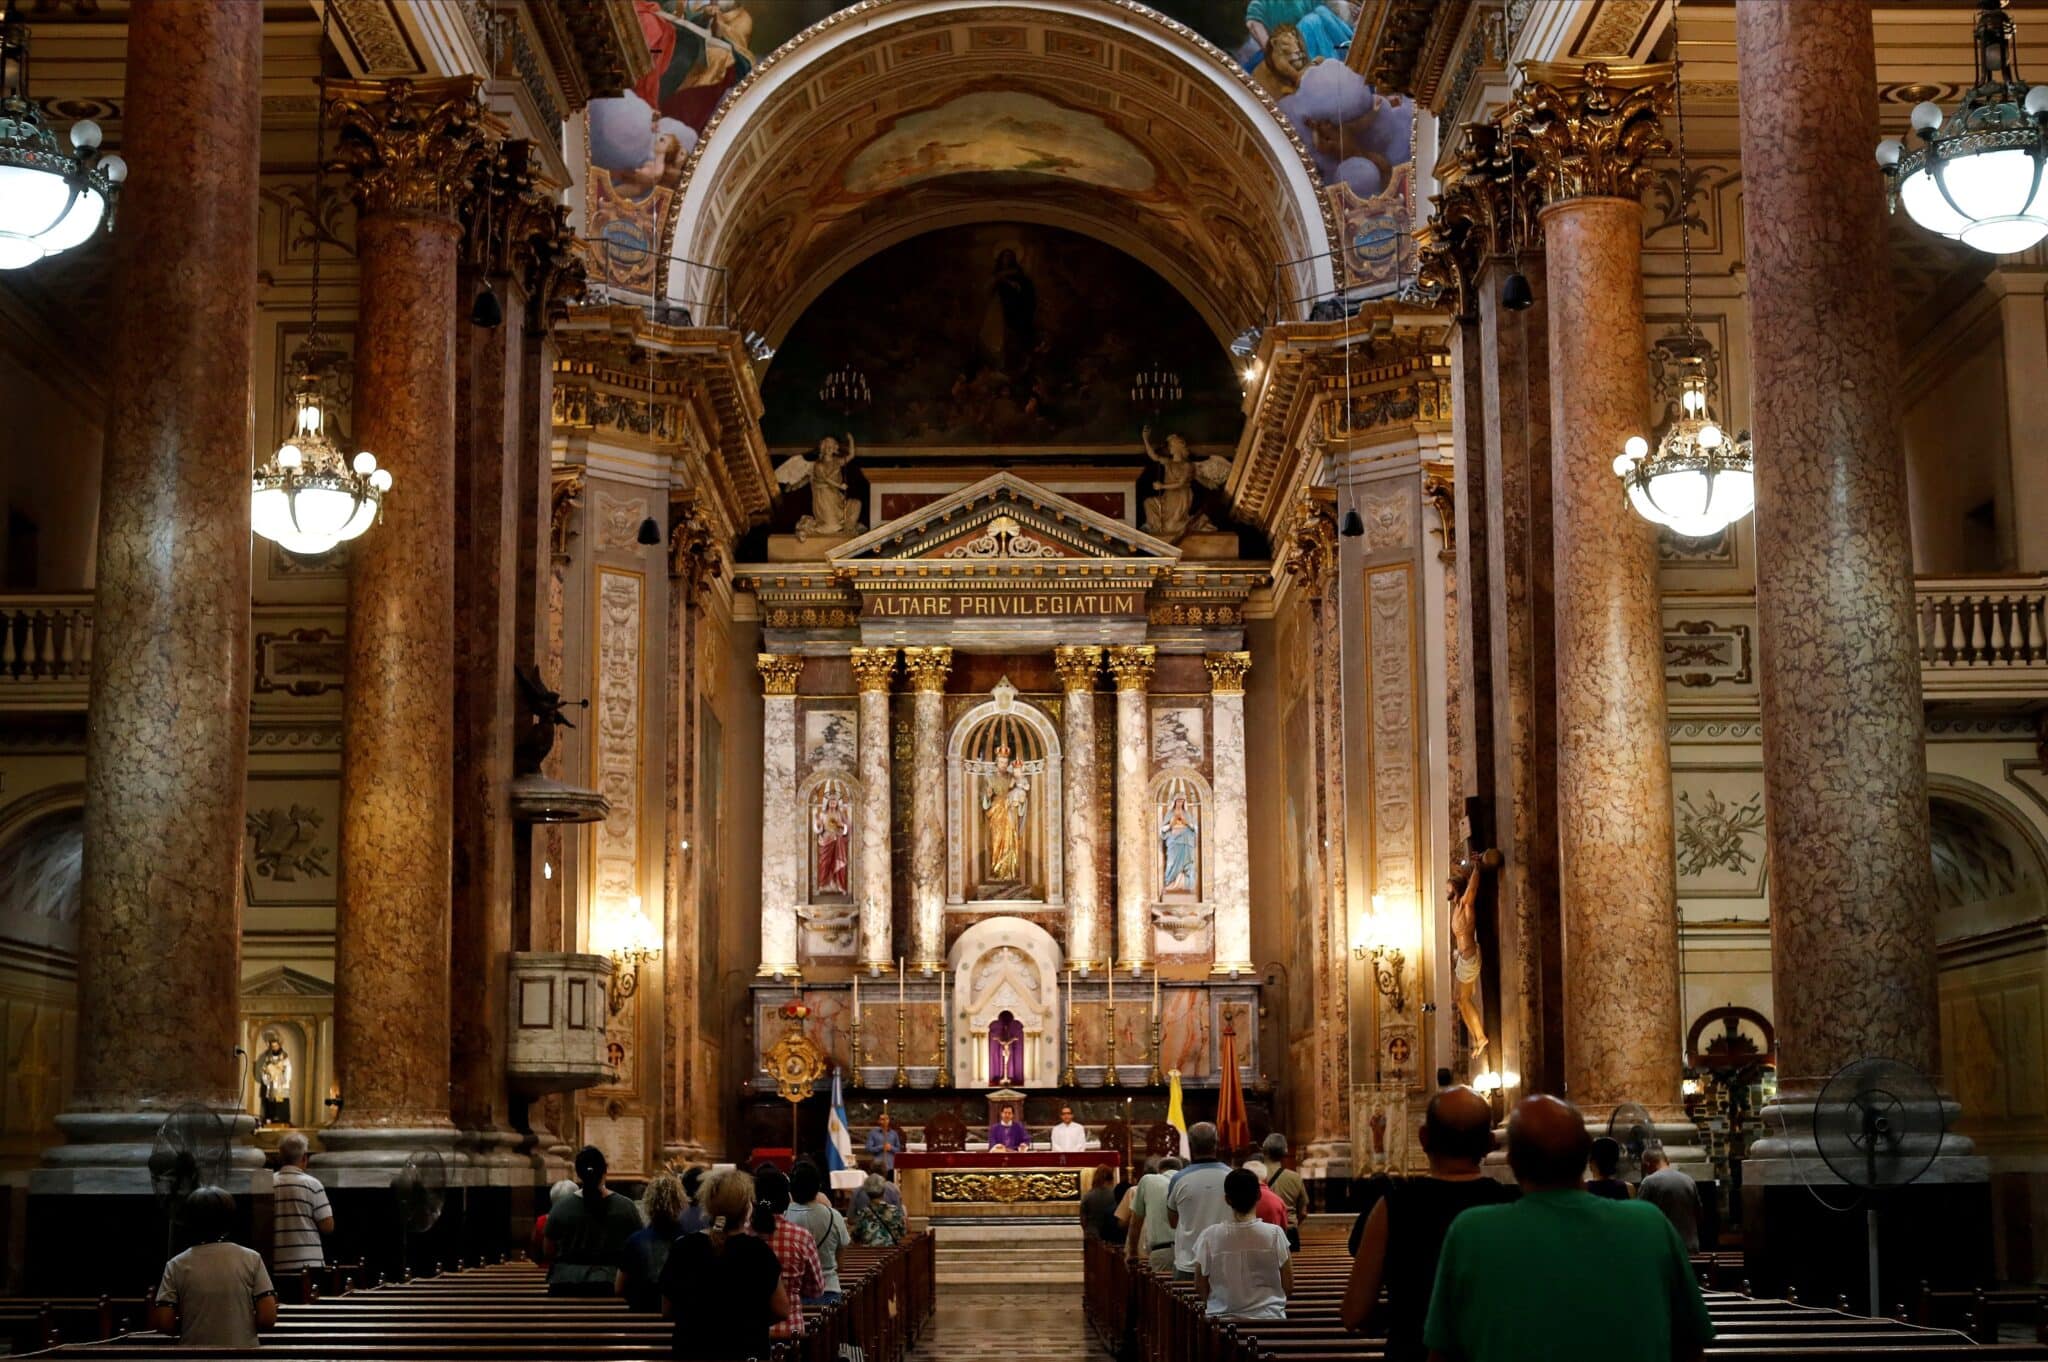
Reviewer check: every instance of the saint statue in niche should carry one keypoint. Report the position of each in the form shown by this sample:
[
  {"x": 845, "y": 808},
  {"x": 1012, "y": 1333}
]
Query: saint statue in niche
[
  {"x": 830, "y": 826},
  {"x": 833, "y": 511},
  {"x": 1179, "y": 839},
  {"x": 1005, "y": 796},
  {"x": 274, "y": 1076}
]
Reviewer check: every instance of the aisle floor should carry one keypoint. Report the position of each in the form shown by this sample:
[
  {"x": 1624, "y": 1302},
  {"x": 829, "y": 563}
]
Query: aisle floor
[{"x": 970, "y": 1325}]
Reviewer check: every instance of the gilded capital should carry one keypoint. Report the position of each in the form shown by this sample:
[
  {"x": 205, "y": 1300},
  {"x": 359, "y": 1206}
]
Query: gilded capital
[
  {"x": 1589, "y": 130},
  {"x": 1226, "y": 672},
  {"x": 779, "y": 672},
  {"x": 874, "y": 668},
  {"x": 692, "y": 543},
  {"x": 411, "y": 147},
  {"x": 1078, "y": 667},
  {"x": 1132, "y": 666},
  {"x": 1312, "y": 552},
  {"x": 927, "y": 668}
]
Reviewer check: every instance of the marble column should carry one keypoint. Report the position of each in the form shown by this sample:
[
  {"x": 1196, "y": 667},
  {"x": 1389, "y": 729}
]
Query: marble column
[
  {"x": 1845, "y": 786},
  {"x": 167, "y": 723},
  {"x": 928, "y": 668},
  {"x": 413, "y": 149},
  {"x": 782, "y": 822},
  {"x": 874, "y": 669},
  {"x": 1132, "y": 668},
  {"x": 1617, "y": 867},
  {"x": 1231, "y": 891},
  {"x": 1087, "y": 932}
]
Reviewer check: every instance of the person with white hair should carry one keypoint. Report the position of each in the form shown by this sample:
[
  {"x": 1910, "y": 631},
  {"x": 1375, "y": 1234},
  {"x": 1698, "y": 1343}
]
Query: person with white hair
[{"x": 303, "y": 1214}]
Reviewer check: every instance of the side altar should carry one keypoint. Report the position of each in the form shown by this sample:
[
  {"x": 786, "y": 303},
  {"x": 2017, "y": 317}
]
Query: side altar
[{"x": 1005, "y": 831}]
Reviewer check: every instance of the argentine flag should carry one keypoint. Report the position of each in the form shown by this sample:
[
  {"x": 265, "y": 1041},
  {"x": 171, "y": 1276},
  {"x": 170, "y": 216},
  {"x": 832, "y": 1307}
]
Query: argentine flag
[{"x": 839, "y": 1143}]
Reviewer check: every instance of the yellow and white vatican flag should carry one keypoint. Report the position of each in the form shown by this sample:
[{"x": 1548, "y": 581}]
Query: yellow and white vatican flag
[{"x": 1175, "y": 1117}]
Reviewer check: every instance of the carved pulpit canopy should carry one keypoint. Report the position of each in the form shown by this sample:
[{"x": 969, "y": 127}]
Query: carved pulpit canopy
[{"x": 1004, "y": 557}]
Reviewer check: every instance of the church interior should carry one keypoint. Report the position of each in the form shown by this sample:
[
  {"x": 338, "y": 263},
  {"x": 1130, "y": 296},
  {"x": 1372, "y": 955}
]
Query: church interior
[{"x": 682, "y": 576}]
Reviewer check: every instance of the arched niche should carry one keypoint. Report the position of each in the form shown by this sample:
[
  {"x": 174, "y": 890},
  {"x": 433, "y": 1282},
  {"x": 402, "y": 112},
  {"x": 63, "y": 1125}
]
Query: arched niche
[
  {"x": 42, "y": 857},
  {"x": 1005, "y": 964},
  {"x": 829, "y": 803},
  {"x": 1181, "y": 864},
  {"x": 1990, "y": 862},
  {"x": 981, "y": 782}
]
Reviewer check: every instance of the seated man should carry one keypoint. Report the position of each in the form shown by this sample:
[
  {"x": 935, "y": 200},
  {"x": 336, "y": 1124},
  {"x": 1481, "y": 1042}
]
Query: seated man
[
  {"x": 1008, "y": 1132},
  {"x": 1069, "y": 1136}
]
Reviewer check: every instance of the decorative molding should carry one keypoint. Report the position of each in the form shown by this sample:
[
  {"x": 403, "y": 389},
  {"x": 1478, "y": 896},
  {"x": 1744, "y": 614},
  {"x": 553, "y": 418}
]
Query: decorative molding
[
  {"x": 1132, "y": 666},
  {"x": 618, "y": 523},
  {"x": 411, "y": 146},
  {"x": 615, "y": 751},
  {"x": 1007, "y": 1189},
  {"x": 564, "y": 497},
  {"x": 302, "y": 662},
  {"x": 874, "y": 669},
  {"x": 927, "y": 668},
  {"x": 1312, "y": 540},
  {"x": 1703, "y": 653},
  {"x": 1078, "y": 667},
  {"x": 1590, "y": 130}
]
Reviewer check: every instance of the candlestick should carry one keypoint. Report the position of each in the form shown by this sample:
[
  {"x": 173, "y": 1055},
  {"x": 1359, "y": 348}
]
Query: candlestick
[
  {"x": 857, "y": 1082},
  {"x": 945, "y": 1074},
  {"x": 902, "y": 1074},
  {"x": 1153, "y": 1075},
  {"x": 1109, "y": 1078}
]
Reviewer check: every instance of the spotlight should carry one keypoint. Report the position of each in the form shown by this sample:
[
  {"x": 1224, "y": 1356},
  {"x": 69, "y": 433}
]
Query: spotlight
[
  {"x": 1515, "y": 293},
  {"x": 485, "y": 311},
  {"x": 650, "y": 533},
  {"x": 1354, "y": 525},
  {"x": 758, "y": 346},
  {"x": 1246, "y": 341}
]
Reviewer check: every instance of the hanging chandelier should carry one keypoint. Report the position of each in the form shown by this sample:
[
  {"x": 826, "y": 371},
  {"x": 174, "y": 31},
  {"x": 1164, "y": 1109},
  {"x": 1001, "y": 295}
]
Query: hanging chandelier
[
  {"x": 311, "y": 496},
  {"x": 50, "y": 201},
  {"x": 1976, "y": 176},
  {"x": 1701, "y": 479}
]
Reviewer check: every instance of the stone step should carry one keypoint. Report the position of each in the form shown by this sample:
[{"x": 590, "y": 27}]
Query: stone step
[{"x": 1034, "y": 1232}]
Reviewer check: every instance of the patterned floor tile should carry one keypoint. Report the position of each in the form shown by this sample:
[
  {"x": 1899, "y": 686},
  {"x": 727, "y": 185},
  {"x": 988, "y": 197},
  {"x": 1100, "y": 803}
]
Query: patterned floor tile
[{"x": 1033, "y": 1326}]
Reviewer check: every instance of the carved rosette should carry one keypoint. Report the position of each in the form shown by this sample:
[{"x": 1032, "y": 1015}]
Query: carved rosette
[
  {"x": 1312, "y": 553},
  {"x": 928, "y": 668},
  {"x": 874, "y": 669},
  {"x": 1226, "y": 672},
  {"x": 1132, "y": 666},
  {"x": 780, "y": 672},
  {"x": 1589, "y": 131},
  {"x": 1077, "y": 667},
  {"x": 412, "y": 147}
]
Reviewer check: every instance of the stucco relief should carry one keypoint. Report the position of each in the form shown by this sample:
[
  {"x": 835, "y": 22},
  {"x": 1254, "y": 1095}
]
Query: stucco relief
[{"x": 616, "y": 751}]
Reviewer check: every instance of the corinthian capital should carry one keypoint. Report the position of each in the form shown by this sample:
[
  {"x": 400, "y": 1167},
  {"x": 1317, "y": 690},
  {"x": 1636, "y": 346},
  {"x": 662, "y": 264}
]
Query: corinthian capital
[
  {"x": 411, "y": 147},
  {"x": 1590, "y": 130}
]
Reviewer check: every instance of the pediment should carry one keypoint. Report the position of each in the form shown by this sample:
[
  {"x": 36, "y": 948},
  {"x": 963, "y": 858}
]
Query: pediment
[
  {"x": 1004, "y": 521},
  {"x": 286, "y": 982}
]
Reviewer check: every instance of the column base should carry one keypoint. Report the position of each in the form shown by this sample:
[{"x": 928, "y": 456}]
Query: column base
[
  {"x": 789, "y": 972},
  {"x": 107, "y": 1153},
  {"x": 928, "y": 966},
  {"x": 1233, "y": 968},
  {"x": 369, "y": 1156}
]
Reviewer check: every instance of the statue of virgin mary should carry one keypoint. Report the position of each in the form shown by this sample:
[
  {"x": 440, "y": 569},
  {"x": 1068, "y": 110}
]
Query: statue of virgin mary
[{"x": 1003, "y": 802}]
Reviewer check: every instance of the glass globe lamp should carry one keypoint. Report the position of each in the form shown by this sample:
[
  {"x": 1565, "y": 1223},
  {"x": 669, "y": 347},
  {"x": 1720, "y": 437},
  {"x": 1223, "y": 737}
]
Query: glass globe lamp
[
  {"x": 50, "y": 199},
  {"x": 1976, "y": 175},
  {"x": 1700, "y": 479},
  {"x": 311, "y": 496}
]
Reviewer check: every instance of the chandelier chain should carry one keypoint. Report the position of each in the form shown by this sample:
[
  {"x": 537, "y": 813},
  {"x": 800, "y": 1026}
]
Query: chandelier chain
[
  {"x": 1684, "y": 179},
  {"x": 319, "y": 173}
]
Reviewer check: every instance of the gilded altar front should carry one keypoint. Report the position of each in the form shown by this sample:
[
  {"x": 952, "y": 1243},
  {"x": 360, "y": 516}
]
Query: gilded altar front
[{"x": 1026, "y": 1185}]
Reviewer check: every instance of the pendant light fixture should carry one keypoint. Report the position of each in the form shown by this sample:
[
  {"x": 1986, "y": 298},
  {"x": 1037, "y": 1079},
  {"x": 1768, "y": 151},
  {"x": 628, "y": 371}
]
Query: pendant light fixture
[
  {"x": 50, "y": 200},
  {"x": 1976, "y": 176},
  {"x": 1701, "y": 479},
  {"x": 311, "y": 496}
]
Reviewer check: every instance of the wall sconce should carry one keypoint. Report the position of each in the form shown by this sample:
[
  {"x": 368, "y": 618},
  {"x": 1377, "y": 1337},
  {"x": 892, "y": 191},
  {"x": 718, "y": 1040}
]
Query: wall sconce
[
  {"x": 628, "y": 938},
  {"x": 1383, "y": 950}
]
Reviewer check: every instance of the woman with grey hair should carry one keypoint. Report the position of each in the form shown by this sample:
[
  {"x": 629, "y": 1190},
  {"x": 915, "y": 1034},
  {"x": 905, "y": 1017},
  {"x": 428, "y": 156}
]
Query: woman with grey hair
[{"x": 877, "y": 1222}]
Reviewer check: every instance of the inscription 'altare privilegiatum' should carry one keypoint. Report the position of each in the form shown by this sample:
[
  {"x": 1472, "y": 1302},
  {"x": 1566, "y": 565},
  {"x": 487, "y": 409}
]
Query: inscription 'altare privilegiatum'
[{"x": 1001, "y": 604}]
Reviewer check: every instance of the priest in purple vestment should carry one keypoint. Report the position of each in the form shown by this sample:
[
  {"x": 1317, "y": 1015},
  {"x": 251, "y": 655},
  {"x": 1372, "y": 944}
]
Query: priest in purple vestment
[
  {"x": 1008, "y": 1132},
  {"x": 1005, "y": 1049}
]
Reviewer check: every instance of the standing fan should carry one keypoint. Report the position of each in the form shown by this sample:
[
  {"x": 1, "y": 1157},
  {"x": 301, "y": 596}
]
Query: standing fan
[
  {"x": 191, "y": 1152},
  {"x": 421, "y": 1186},
  {"x": 1878, "y": 1124},
  {"x": 1632, "y": 1128}
]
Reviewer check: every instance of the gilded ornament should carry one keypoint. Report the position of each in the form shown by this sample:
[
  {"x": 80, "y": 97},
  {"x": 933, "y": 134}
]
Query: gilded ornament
[
  {"x": 874, "y": 668},
  {"x": 780, "y": 672},
  {"x": 797, "y": 1063},
  {"x": 1077, "y": 666},
  {"x": 1132, "y": 666},
  {"x": 1226, "y": 672},
  {"x": 1313, "y": 555},
  {"x": 1592, "y": 130},
  {"x": 412, "y": 147},
  {"x": 1008, "y": 1189},
  {"x": 927, "y": 668}
]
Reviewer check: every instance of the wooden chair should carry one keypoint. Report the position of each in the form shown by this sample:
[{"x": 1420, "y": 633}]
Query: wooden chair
[
  {"x": 945, "y": 1133},
  {"x": 1161, "y": 1140}
]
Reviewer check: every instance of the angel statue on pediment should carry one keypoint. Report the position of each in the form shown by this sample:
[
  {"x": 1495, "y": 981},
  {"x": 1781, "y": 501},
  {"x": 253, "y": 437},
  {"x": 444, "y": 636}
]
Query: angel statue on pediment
[
  {"x": 833, "y": 512},
  {"x": 1168, "y": 510}
]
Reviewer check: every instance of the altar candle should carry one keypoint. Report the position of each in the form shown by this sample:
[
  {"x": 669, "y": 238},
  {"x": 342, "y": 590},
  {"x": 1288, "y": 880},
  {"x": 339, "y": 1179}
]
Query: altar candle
[
  {"x": 1155, "y": 994},
  {"x": 942, "y": 1005},
  {"x": 899, "y": 983},
  {"x": 1070, "y": 995},
  {"x": 1110, "y": 974}
]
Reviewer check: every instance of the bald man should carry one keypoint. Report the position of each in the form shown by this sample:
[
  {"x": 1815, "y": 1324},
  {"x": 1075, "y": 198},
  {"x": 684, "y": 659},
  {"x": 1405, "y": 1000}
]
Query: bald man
[
  {"x": 1405, "y": 1230},
  {"x": 1561, "y": 1274}
]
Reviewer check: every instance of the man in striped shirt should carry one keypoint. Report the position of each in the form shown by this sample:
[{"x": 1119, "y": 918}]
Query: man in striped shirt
[{"x": 302, "y": 1211}]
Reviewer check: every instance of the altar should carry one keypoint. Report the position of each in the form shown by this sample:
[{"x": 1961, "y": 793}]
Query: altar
[{"x": 1024, "y": 1185}]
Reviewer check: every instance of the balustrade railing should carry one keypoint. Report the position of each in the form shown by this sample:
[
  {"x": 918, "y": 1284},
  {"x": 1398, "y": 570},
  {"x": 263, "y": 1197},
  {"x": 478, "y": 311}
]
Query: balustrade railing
[
  {"x": 1982, "y": 623},
  {"x": 46, "y": 638}
]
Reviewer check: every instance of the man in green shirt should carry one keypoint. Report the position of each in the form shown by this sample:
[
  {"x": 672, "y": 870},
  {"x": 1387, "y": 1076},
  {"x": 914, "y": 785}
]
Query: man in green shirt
[{"x": 1562, "y": 1274}]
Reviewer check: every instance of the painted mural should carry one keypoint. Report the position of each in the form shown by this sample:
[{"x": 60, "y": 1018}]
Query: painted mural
[
  {"x": 1000, "y": 334},
  {"x": 999, "y": 131}
]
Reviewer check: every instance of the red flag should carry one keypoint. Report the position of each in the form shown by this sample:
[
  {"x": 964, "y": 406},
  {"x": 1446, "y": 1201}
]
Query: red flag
[{"x": 1233, "y": 1125}]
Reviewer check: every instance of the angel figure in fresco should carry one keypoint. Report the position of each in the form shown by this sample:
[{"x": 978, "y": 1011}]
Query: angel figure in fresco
[
  {"x": 1464, "y": 896},
  {"x": 1323, "y": 26},
  {"x": 1005, "y": 791},
  {"x": 829, "y": 826},
  {"x": 1179, "y": 836},
  {"x": 1167, "y": 511},
  {"x": 824, "y": 468},
  {"x": 1286, "y": 58}
]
